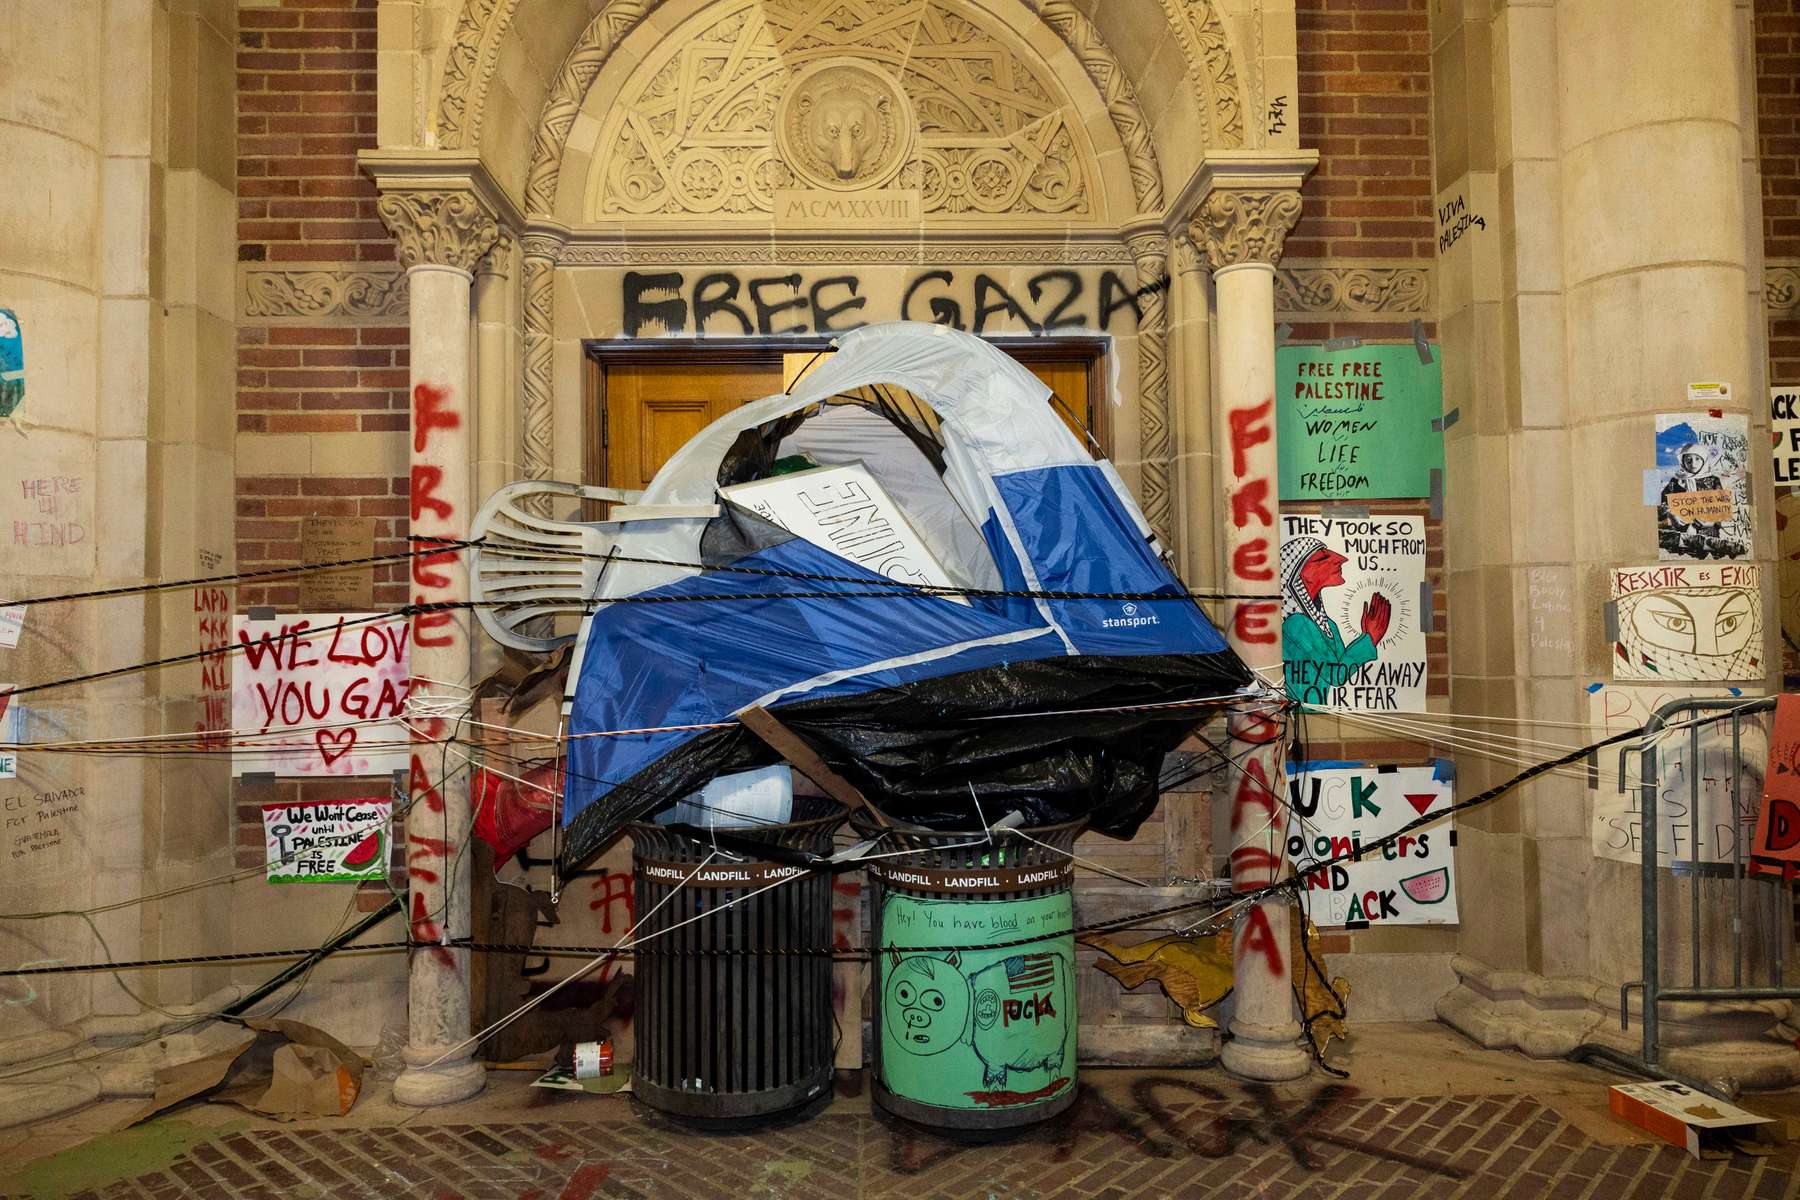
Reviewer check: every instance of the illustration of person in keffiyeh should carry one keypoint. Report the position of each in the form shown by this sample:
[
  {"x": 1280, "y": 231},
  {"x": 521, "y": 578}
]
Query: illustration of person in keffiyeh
[{"x": 1315, "y": 657}]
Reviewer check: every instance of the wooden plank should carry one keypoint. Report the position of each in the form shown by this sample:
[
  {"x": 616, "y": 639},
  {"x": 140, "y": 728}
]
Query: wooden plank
[{"x": 787, "y": 743}]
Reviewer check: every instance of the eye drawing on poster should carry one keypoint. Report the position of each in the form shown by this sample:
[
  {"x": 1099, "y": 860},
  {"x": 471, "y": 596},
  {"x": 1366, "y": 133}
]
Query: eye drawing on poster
[
  {"x": 1700, "y": 622},
  {"x": 1703, "y": 485}
]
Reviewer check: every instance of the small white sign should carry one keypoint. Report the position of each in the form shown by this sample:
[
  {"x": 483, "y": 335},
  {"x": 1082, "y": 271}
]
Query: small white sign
[
  {"x": 9, "y": 732},
  {"x": 1709, "y": 393},
  {"x": 332, "y": 841},
  {"x": 12, "y": 623},
  {"x": 846, "y": 511}
]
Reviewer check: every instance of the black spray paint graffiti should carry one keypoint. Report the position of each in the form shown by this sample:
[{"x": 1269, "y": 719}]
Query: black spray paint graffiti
[
  {"x": 665, "y": 303},
  {"x": 1169, "y": 1124},
  {"x": 1454, "y": 220}
]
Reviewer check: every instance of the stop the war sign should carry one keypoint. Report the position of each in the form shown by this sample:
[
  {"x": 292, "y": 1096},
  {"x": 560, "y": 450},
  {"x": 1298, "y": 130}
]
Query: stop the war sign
[
  {"x": 317, "y": 695},
  {"x": 1335, "y": 809}
]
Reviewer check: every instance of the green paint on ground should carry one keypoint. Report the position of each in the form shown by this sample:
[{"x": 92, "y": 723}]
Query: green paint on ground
[
  {"x": 783, "y": 1173},
  {"x": 111, "y": 1157}
]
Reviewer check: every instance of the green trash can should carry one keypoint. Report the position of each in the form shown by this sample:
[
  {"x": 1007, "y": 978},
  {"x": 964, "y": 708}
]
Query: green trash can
[{"x": 973, "y": 989}]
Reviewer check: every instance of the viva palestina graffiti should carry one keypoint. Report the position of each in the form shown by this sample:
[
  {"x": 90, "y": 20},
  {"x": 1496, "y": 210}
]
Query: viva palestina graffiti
[
  {"x": 1337, "y": 808},
  {"x": 1701, "y": 485},
  {"x": 1351, "y": 597},
  {"x": 978, "y": 1028},
  {"x": 332, "y": 841},
  {"x": 1689, "y": 622}
]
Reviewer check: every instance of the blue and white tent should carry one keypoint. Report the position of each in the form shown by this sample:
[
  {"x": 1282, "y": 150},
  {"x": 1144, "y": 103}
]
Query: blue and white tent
[{"x": 913, "y": 697}]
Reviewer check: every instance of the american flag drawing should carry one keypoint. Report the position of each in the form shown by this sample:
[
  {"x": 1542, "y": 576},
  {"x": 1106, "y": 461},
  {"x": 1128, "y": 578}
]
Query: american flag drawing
[{"x": 1028, "y": 972}]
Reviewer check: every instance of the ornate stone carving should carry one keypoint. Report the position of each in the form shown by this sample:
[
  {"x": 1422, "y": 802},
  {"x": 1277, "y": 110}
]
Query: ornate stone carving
[
  {"x": 1150, "y": 253},
  {"x": 1211, "y": 65},
  {"x": 1781, "y": 285},
  {"x": 469, "y": 67},
  {"x": 540, "y": 253},
  {"x": 1371, "y": 289},
  {"x": 726, "y": 254},
  {"x": 498, "y": 259},
  {"x": 842, "y": 125},
  {"x": 615, "y": 19},
  {"x": 448, "y": 229},
  {"x": 699, "y": 128},
  {"x": 318, "y": 295},
  {"x": 1187, "y": 255},
  {"x": 1237, "y": 227},
  {"x": 1121, "y": 99}
]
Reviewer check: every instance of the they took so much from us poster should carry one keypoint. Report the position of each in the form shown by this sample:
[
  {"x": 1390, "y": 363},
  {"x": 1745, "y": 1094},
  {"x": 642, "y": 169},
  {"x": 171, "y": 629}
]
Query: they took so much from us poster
[{"x": 1352, "y": 590}]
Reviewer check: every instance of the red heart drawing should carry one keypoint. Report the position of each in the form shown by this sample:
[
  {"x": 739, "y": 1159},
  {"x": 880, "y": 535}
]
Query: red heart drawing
[
  {"x": 340, "y": 743},
  {"x": 1420, "y": 802}
]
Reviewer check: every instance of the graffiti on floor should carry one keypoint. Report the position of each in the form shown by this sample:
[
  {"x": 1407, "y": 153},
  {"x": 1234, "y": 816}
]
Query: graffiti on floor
[{"x": 1174, "y": 1116}]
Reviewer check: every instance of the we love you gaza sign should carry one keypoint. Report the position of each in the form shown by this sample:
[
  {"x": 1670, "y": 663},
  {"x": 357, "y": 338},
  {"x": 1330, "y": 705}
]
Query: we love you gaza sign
[{"x": 318, "y": 695}]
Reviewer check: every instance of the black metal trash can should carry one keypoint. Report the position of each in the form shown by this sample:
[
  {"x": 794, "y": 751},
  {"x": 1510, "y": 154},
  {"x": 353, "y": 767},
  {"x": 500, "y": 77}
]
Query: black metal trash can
[
  {"x": 734, "y": 1015},
  {"x": 973, "y": 993}
]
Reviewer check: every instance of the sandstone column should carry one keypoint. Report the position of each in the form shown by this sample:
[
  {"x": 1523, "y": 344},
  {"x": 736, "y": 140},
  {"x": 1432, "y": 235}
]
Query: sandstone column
[
  {"x": 1249, "y": 203},
  {"x": 1191, "y": 409},
  {"x": 1150, "y": 255},
  {"x": 442, "y": 236}
]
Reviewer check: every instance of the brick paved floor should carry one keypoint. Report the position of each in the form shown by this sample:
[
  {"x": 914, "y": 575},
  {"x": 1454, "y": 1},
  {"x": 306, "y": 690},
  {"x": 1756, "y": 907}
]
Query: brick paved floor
[{"x": 1151, "y": 1136}]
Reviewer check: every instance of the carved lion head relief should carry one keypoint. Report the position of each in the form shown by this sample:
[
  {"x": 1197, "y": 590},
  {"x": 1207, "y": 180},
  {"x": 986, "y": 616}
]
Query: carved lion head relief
[{"x": 845, "y": 125}]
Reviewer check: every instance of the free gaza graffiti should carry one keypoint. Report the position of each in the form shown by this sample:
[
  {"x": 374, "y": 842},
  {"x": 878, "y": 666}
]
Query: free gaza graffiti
[{"x": 735, "y": 303}]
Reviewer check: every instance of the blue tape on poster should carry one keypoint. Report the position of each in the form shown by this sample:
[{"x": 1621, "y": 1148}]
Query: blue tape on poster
[
  {"x": 1341, "y": 343},
  {"x": 12, "y": 363}
]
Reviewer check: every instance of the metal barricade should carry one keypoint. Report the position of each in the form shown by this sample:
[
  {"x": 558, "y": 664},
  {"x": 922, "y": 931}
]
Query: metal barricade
[{"x": 1689, "y": 719}]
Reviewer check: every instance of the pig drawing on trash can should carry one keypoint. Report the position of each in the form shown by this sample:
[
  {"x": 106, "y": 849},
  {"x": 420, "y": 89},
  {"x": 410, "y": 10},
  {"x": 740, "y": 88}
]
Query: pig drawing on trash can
[{"x": 1011, "y": 1012}]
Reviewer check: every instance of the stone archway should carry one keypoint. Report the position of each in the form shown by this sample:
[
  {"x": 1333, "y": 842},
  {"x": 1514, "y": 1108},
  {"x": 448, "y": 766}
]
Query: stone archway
[{"x": 1147, "y": 240}]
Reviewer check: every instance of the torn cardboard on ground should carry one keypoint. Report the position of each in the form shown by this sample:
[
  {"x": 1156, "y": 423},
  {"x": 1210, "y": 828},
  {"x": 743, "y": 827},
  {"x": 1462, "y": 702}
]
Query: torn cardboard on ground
[
  {"x": 1704, "y": 1126},
  {"x": 281, "y": 1069}
]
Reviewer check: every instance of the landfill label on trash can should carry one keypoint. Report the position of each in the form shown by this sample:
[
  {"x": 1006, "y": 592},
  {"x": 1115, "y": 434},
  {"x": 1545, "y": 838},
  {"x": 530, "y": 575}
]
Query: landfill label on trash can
[{"x": 978, "y": 1028}]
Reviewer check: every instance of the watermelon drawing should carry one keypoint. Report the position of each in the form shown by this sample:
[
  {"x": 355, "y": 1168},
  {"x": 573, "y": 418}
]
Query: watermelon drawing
[
  {"x": 366, "y": 850},
  {"x": 1428, "y": 888}
]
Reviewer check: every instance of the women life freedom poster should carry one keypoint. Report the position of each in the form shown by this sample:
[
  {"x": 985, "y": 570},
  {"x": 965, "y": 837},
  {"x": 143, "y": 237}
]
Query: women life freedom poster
[{"x": 1351, "y": 630}]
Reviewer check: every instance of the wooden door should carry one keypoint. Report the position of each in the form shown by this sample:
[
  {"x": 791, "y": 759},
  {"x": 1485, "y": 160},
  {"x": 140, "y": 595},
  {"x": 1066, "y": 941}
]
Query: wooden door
[{"x": 650, "y": 409}]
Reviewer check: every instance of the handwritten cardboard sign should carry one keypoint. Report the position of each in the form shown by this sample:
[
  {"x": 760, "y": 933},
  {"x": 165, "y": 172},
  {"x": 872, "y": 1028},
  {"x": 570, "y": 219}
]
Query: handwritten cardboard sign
[
  {"x": 1689, "y": 507},
  {"x": 1689, "y": 766},
  {"x": 337, "y": 539},
  {"x": 1776, "y": 843},
  {"x": 331, "y": 841},
  {"x": 1357, "y": 424},
  {"x": 317, "y": 695},
  {"x": 1334, "y": 808}
]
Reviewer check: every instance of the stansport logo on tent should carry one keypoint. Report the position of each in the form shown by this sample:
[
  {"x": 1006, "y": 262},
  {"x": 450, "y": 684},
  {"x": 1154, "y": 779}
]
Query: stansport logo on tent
[{"x": 1134, "y": 616}]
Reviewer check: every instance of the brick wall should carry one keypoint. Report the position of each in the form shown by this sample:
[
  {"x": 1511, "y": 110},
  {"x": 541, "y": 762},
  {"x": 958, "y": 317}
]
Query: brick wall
[
  {"x": 305, "y": 106},
  {"x": 1778, "y": 135},
  {"x": 1365, "y": 105}
]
